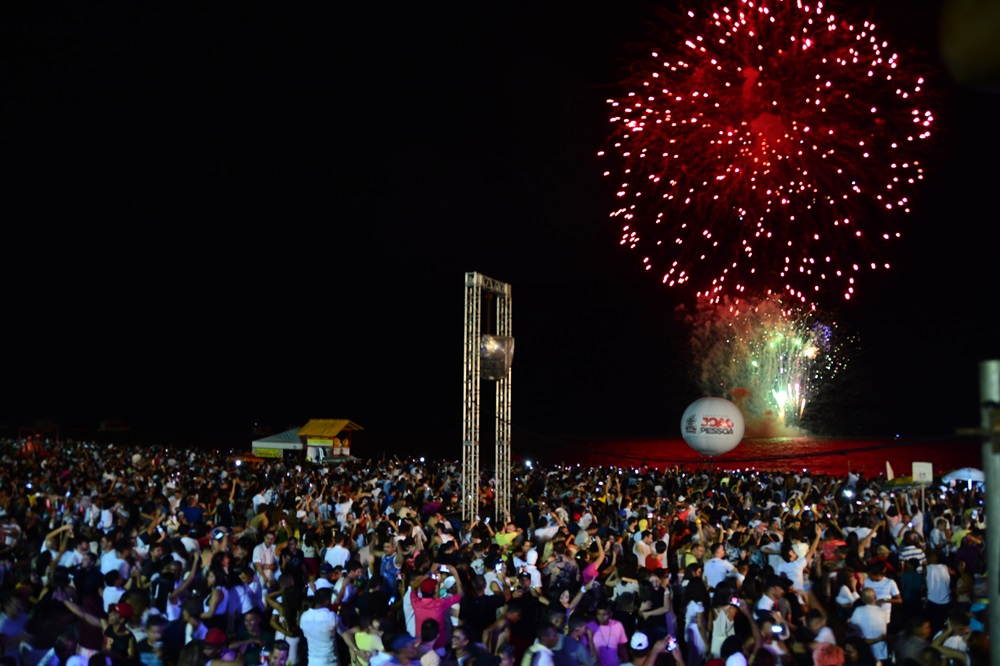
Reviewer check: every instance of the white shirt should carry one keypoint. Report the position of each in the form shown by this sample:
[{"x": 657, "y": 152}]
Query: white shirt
[
  {"x": 264, "y": 555},
  {"x": 246, "y": 598},
  {"x": 191, "y": 545},
  {"x": 884, "y": 589},
  {"x": 111, "y": 562},
  {"x": 490, "y": 578},
  {"x": 716, "y": 570},
  {"x": 544, "y": 655},
  {"x": 938, "y": 539},
  {"x": 319, "y": 584},
  {"x": 319, "y": 627},
  {"x": 337, "y": 555},
  {"x": 691, "y": 632},
  {"x": 764, "y": 605},
  {"x": 71, "y": 558},
  {"x": 794, "y": 571},
  {"x": 536, "y": 575},
  {"x": 846, "y": 596},
  {"x": 772, "y": 551},
  {"x": 409, "y": 615},
  {"x": 826, "y": 635},
  {"x": 111, "y": 595},
  {"x": 341, "y": 510},
  {"x": 543, "y": 534},
  {"x": 871, "y": 622},
  {"x": 938, "y": 584},
  {"x": 641, "y": 549},
  {"x": 722, "y": 628},
  {"x": 349, "y": 593}
]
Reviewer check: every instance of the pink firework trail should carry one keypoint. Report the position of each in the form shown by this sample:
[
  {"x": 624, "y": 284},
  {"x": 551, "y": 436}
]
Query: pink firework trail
[{"x": 767, "y": 147}]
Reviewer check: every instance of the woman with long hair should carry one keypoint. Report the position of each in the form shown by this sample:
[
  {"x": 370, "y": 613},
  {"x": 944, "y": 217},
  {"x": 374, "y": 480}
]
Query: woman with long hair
[
  {"x": 696, "y": 604},
  {"x": 750, "y": 588},
  {"x": 286, "y": 602},
  {"x": 565, "y": 600},
  {"x": 858, "y": 548},
  {"x": 848, "y": 591},
  {"x": 722, "y": 617},
  {"x": 215, "y": 605},
  {"x": 310, "y": 551}
]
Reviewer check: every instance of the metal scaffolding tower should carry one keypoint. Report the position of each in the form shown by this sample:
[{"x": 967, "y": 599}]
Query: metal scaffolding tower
[{"x": 498, "y": 348}]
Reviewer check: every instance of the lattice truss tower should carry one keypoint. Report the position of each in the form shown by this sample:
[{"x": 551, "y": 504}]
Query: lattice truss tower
[{"x": 487, "y": 357}]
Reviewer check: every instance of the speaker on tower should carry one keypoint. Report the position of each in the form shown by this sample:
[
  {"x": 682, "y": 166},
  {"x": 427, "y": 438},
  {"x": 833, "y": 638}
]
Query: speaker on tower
[{"x": 496, "y": 353}]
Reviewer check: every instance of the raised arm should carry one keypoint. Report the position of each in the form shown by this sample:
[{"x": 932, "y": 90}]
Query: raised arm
[{"x": 185, "y": 583}]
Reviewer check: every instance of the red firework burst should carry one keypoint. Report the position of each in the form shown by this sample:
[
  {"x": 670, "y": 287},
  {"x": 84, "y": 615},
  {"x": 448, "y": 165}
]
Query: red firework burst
[{"x": 768, "y": 146}]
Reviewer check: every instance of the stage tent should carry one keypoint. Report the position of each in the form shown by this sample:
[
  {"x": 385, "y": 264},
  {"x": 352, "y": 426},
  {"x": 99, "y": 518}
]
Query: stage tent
[{"x": 321, "y": 439}]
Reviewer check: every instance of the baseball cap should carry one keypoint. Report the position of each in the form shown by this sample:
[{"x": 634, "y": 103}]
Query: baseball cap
[
  {"x": 215, "y": 636},
  {"x": 428, "y": 586},
  {"x": 124, "y": 609},
  {"x": 325, "y": 569},
  {"x": 640, "y": 641}
]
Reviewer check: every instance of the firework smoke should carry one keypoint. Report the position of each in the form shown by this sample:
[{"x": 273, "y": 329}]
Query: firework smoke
[{"x": 769, "y": 358}]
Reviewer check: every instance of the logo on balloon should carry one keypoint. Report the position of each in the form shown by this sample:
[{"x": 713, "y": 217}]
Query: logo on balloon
[{"x": 712, "y": 426}]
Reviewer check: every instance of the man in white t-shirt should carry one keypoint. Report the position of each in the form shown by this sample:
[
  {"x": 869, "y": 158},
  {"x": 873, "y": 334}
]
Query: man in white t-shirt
[
  {"x": 546, "y": 528},
  {"x": 265, "y": 561},
  {"x": 793, "y": 567},
  {"x": 717, "y": 567},
  {"x": 325, "y": 578},
  {"x": 320, "y": 627},
  {"x": 956, "y": 628},
  {"x": 342, "y": 507},
  {"x": 643, "y": 546},
  {"x": 117, "y": 559},
  {"x": 872, "y": 624},
  {"x": 338, "y": 553},
  {"x": 886, "y": 590},
  {"x": 531, "y": 569}
]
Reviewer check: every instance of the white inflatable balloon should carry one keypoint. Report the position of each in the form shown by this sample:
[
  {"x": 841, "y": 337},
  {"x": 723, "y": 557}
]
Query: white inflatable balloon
[{"x": 712, "y": 426}]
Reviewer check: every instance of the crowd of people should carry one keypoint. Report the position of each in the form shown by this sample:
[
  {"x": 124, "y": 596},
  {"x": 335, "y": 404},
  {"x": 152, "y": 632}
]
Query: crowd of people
[{"x": 170, "y": 557}]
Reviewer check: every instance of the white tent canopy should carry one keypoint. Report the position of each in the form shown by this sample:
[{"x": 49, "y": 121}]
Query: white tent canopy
[
  {"x": 318, "y": 438},
  {"x": 970, "y": 474},
  {"x": 287, "y": 440}
]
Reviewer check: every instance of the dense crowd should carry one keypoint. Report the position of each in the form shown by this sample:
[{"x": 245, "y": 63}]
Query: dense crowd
[{"x": 164, "y": 557}]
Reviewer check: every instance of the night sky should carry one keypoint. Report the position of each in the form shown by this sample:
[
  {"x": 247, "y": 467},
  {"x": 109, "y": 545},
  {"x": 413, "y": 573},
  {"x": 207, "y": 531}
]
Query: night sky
[{"x": 261, "y": 214}]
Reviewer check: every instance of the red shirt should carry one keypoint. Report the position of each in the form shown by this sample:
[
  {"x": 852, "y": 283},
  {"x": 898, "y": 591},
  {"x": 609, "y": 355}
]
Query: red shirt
[{"x": 437, "y": 608}]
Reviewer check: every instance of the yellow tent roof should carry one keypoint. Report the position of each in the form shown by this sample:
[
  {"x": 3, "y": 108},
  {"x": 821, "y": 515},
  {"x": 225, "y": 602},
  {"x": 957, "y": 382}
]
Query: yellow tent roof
[{"x": 327, "y": 427}]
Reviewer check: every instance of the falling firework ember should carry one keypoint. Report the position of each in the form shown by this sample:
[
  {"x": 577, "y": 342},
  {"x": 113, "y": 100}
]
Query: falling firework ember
[{"x": 766, "y": 147}]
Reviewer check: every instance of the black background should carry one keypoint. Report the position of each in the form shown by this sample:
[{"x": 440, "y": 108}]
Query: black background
[{"x": 220, "y": 216}]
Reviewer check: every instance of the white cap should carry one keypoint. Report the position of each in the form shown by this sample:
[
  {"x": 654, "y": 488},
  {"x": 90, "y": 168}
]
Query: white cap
[{"x": 640, "y": 641}]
